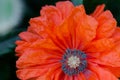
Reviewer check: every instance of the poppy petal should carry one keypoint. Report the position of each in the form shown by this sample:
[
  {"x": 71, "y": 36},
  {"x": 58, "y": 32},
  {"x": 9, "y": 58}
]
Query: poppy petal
[
  {"x": 43, "y": 77},
  {"x": 37, "y": 26},
  {"x": 51, "y": 74},
  {"x": 116, "y": 34},
  {"x": 29, "y": 37},
  {"x": 62, "y": 35},
  {"x": 100, "y": 45},
  {"x": 102, "y": 73},
  {"x": 31, "y": 58},
  {"x": 21, "y": 47},
  {"x": 25, "y": 74},
  {"x": 55, "y": 73},
  {"x": 81, "y": 76},
  {"x": 106, "y": 25},
  {"x": 110, "y": 58},
  {"x": 45, "y": 44},
  {"x": 53, "y": 15},
  {"x": 68, "y": 77},
  {"x": 99, "y": 9},
  {"x": 63, "y": 6},
  {"x": 114, "y": 70},
  {"x": 86, "y": 28},
  {"x": 60, "y": 38},
  {"x": 86, "y": 31},
  {"x": 59, "y": 75},
  {"x": 90, "y": 75}
]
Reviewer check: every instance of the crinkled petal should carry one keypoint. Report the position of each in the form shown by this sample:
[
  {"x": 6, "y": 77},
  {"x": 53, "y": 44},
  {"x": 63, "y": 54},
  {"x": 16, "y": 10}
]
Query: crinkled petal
[
  {"x": 41, "y": 44},
  {"x": 90, "y": 75},
  {"x": 46, "y": 44},
  {"x": 106, "y": 25},
  {"x": 86, "y": 28},
  {"x": 59, "y": 75},
  {"x": 55, "y": 73},
  {"x": 77, "y": 28},
  {"x": 43, "y": 77},
  {"x": 102, "y": 74},
  {"x": 52, "y": 15},
  {"x": 38, "y": 26},
  {"x": 108, "y": 58},
  {"x": 62, "y": 35},
  {"x": 21, "y": 47},
  {"x": 114, "y": 70},
  {"x": 29, "y": 73},
  {"x": 68, "y": 77},
  {"x": 29, "y": 37},
  {"x": 99, "y": 9},
  {"x": 81, "y": 76},
  {"x": 38, "y": 57},
  {"x": 100, "y": 45},
  {"x": 65, "y": 8},
  {"x": 116, "y": 34}
]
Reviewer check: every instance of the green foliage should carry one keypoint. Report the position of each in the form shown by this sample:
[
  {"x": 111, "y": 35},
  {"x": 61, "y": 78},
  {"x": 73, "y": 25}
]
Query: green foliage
[
  {"x": 77, "y": 2},
  {"x": 7, "y": 45}
]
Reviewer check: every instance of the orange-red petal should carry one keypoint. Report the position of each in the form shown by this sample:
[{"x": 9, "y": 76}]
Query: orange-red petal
[
  {"x": 21, "y": 47},
  {"x": 38, "y": 25},
  {"x": 102, "y": 73},
  {"x": 90, "y": 75},
  {"x": 84, "y": 26},
  {"x": 55, "y": 72},
  {"x": 99, "y": 9},
  {"x": 28, "y": 73},
  {"x": 52, "y": 15},
  {"x": 106, "y": 25},
  {"x": 116, "y": 34},
  {"x": 109, "y": 58},
  {"x": 68, "y": 77},
  {"x": 114, "y": 70},
  {"x": 38, "y": 58},
  {"x": 81, "y": 76},
  {"x": 65, "y": 8},
  {"x": 100, "y": 45},
  {"x": 29, "y": 37}
]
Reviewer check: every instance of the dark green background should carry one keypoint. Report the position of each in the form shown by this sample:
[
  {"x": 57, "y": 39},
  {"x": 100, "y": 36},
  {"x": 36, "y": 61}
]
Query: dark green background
[{"x": 7, "y": 46}]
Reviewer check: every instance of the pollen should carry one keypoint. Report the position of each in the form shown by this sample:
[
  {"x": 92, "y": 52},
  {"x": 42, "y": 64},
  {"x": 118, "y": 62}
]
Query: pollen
[{"x": 73, "y": 62}]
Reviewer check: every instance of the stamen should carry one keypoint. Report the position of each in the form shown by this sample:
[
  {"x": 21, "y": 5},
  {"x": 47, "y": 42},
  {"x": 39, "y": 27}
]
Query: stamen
[{"x": 73, "y": 62}]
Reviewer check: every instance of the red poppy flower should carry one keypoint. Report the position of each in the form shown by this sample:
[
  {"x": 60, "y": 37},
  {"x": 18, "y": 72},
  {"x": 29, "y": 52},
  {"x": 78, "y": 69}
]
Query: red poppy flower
[{"x": 65, "y": 43}]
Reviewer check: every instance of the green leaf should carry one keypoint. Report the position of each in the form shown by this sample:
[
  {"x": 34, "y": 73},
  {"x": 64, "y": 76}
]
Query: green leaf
[
  {"x": 7, "y": 45},
  {"x": 77, "y": 2}
]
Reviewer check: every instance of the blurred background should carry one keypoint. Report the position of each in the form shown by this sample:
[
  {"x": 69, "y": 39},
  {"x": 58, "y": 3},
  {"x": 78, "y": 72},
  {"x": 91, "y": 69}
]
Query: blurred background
[{"x": 14, "y": 18}]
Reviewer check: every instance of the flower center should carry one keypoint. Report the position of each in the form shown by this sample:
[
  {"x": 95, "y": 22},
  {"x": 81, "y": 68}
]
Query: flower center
[{"x": 73, "y": 62}]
